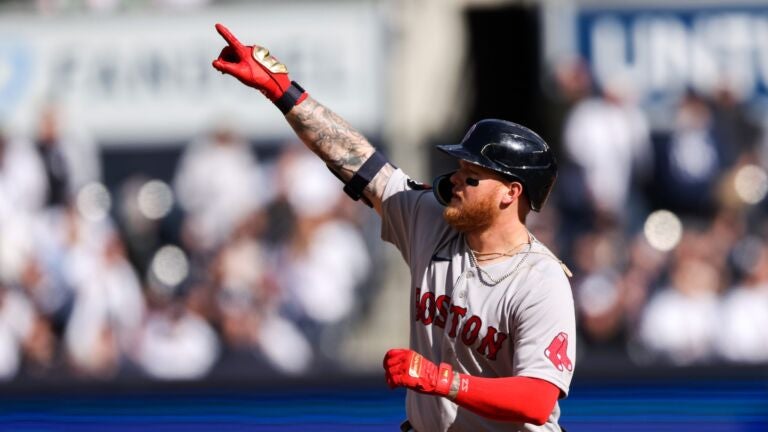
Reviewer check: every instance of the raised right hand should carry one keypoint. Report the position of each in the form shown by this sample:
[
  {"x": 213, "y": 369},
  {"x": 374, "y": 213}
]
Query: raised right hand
[{"x": 255, "y": 67}]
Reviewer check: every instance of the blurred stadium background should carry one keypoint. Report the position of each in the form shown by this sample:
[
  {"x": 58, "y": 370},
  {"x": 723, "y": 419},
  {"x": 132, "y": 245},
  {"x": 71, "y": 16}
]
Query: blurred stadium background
[{"x": 172, "y": 259}]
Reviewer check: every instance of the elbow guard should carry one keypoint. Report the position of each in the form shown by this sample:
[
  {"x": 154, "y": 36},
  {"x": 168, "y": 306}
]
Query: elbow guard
[{"x": 357, "y": 184}]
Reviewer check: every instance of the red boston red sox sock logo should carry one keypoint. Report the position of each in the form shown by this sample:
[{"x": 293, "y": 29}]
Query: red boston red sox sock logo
[{"x": 557, "y": 352}]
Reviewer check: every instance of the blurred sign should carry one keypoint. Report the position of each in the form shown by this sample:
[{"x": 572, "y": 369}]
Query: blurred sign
[
  {"x": 141, "y": 78},
  {"x": 660, "y": 53}
]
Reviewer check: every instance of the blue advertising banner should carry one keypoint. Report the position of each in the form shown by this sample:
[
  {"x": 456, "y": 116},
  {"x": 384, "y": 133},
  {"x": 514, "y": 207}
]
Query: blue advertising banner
[{"x": 662, "y": 52}]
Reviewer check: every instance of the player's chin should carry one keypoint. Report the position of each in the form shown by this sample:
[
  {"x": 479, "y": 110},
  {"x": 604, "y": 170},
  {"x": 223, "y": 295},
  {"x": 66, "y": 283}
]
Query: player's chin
[
  {"x": 452, "y": 214},
  {"x": 453, "y": 207},
  {"x": 457, "y": 221}
]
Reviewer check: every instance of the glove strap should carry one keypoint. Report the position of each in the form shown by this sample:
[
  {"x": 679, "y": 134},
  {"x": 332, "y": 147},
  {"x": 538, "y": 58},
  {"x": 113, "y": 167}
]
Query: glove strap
[
  {"x": 292, "y": 97},
  {"x": 444, "y": 379}
]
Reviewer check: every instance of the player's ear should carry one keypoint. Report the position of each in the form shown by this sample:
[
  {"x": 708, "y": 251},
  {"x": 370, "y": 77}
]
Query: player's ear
[{"x": 513, "y": 192}]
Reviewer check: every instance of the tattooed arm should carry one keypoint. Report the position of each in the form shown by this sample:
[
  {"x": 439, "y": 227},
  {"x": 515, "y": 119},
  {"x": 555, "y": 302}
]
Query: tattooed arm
[
  {"x": 341, "y": 147},
  {"x": 324, "y": 132}
]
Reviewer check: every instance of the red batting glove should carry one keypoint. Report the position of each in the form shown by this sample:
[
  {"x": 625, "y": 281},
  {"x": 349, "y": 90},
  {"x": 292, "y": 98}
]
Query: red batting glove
[
  {"x": 255, "y": 67},
  {"x": 410, "y": 369}
]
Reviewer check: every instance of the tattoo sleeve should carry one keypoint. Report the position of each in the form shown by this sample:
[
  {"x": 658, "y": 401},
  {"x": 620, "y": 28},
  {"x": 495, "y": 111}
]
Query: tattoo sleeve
[{"x": 340, "y": 146}]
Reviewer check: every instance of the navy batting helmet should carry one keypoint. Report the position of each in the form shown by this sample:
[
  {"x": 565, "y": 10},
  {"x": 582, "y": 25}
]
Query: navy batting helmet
[{"x": 514, "y": 151}]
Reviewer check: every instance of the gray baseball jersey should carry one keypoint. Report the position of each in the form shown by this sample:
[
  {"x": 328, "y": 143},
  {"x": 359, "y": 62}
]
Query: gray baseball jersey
[{"x": 512, "y": 318}]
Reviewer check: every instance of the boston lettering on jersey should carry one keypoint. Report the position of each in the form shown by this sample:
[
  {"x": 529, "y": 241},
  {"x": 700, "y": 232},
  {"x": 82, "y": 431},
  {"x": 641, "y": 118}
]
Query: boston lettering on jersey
[{"x": 441, "y": 312}]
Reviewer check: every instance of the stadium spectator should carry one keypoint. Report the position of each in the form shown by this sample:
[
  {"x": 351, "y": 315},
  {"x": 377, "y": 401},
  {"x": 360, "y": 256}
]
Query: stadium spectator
[
  {"x": 176, "y": 343},
  {"x": 22, "y": 178},
  {"x": 17, "y": 319},
  {"x": 70, "y": 159},
  {"x": 107, "y": 314},
  {"x": 744, "y": 317},
  {"x": 598, "y": 289},
  {"x": 737, "y": 132},
  {"x": 324, "y": 262},
  {"x": 678, "y": 323},
  {"x": 689, "y": 163},
  {"x": 608, "y": 138},
  {"x": 218, "y": 183}
]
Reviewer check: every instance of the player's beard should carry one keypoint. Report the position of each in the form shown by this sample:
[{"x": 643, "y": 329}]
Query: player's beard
[{"x": 471, "y": 216}]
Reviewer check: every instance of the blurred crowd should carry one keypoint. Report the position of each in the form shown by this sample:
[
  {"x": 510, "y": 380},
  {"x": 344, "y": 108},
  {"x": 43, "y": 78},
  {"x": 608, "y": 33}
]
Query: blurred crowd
[
  {"x": 242, "y": 256},
  {"x": 235, "y": 257},
  {"x": 665, "y": 228}
]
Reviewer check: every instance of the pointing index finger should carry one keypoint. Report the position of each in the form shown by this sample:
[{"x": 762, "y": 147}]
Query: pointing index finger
[{"x": 228, "y": 36}]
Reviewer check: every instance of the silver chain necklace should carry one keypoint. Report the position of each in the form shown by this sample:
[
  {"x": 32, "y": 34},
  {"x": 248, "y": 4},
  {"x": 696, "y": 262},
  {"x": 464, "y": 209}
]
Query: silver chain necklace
[{"x": 482, "y": 274}]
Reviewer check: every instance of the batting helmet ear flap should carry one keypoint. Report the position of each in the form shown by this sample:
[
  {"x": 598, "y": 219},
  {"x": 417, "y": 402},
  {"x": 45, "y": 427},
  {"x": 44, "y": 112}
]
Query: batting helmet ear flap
[{"x": 442, "y": 188}]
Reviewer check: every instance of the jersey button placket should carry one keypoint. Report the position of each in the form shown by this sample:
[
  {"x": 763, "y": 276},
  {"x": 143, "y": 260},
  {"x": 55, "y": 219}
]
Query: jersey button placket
[
  {"x": 469, "y": 275},
  {"x": 460, "y": 288}
]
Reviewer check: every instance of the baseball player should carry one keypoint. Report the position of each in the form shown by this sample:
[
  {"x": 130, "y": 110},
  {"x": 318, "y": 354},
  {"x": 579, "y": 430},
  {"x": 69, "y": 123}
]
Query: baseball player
[{"x": 492, "y": 343}]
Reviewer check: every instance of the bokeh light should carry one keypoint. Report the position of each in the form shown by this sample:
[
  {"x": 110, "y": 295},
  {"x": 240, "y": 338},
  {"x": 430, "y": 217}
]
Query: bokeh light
[
  {"x": 170, "y": 266},
  {"x": 94, "y": 201},
  {"x": 155, "y": 199},
  {"x": 663, "y": 230},
  {"x": 751, "y": 184}
]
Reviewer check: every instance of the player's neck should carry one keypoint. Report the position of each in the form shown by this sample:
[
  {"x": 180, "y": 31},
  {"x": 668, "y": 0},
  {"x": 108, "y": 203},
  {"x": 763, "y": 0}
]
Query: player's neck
[{"x": 498, "y": 241}]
